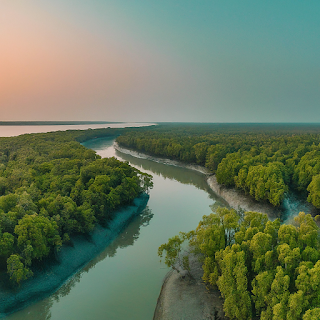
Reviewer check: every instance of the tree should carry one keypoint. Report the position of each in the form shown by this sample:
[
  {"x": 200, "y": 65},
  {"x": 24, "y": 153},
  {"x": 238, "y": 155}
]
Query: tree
[
  {"x": 261, "y": 286},
  {"x": 307, "y": 230},
  {"x": 16, "y": 269},
  {"x": 233, "y": 284},
  {"x": 314, "y": 191},
  {"x": 200, "y": 150},
  {"x": 6, "y": 244},
  {"x": 38, "y": 232},
  {"x": 146, "y": 182},
  {"x": 279, "y": 294},
  {"x": 297, "y": 304},
  {"x": 313, "y": 314},
  {"x": 175, "y": 257},
  {"x": 8, "y": 202},
  {"x": 288, "y": 234}
]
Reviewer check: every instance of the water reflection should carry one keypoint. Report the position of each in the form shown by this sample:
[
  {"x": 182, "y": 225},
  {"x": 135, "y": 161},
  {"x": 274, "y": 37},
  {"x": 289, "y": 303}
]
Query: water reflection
[
  {"x": 126, "y": 238},
  {"x": 291, "y": 206},
  {"x": 104, "y": 147},
  {"x": 180, "y": 174}
]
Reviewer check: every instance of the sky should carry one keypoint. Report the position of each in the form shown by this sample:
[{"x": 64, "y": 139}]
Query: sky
[{"x": 153, "y": 61}]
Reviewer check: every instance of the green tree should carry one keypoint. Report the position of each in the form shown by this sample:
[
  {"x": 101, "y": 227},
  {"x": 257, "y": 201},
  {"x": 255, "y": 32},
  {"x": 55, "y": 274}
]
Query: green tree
[
  {"x": 314, "y": 191},
  {"x": 313, "y": 314},
  {"x": 279, "y": 294},
  {"x": 297, "y": 304},
  {"x": 6, "y": 244},
  {"x": 233, "y": 284},
  {"x": 261, "y": 287},
  {"x": 175, "y": 257},
  {"x": 16, "y": 269},
  {"x": 38, "y": 232}
]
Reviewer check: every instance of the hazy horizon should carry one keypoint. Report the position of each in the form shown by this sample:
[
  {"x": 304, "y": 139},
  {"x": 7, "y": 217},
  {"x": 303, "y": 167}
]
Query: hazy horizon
[{"x": 160, "y": 61}]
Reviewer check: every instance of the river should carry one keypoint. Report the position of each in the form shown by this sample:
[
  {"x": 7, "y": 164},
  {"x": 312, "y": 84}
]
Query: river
[{"x": 124, "y": 281}]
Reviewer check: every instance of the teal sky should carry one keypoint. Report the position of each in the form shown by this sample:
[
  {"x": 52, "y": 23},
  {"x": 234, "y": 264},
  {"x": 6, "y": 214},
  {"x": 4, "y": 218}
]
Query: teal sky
[{"x": 148, "y": 60}]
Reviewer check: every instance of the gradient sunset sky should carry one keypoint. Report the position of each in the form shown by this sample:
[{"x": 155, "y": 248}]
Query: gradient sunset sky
[{"x": 160, "y": 60}]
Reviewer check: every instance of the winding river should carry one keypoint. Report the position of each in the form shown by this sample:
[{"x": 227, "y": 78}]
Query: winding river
[{"x": 124, "y": 281}]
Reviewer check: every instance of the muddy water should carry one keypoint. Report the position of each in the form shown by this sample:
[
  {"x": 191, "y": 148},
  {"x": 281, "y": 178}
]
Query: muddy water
[{"x": 124, "y": 281}]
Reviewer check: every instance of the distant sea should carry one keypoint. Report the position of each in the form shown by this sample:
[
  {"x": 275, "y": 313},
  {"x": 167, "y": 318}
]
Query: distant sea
[{"x": 10, "y": 129}]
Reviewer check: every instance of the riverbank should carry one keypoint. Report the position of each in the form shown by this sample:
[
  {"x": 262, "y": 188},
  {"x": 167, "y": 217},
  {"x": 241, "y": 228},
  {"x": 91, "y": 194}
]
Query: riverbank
[
  {"x": 181, "y": 298},
  {"x": 68, "y": 261},
  {"x": 167, "y": 161},
  {"x": 187, "y": 298},
  {"x": 235, "y": 198}
]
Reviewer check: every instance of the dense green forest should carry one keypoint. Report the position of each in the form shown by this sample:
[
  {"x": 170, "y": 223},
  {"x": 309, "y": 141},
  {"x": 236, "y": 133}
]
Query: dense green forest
[
  {"x": 264, "y": 161},
  {"x": 52, "y": 187},
  {"x": 263, "y": 270}
]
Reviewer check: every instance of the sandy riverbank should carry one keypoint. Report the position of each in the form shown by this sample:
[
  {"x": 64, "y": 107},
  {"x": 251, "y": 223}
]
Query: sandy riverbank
[
  {"x": 162, "y": 160},
  {"x": 235, "y": 198},
  {"x": 68, "y": 261},
  {"x": 186, "y": 298}
]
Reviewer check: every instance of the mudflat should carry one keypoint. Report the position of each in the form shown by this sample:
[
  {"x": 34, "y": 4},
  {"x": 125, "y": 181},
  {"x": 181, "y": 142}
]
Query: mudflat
[{"x": 187, "y": 298}]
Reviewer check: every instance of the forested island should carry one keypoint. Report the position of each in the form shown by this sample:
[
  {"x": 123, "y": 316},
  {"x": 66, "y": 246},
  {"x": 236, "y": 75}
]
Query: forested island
[{"x": 52, "y": 187}]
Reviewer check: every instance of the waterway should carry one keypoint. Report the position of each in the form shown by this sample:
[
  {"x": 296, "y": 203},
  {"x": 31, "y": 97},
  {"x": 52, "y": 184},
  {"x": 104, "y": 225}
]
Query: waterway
[{"x": 124, "y": 281}]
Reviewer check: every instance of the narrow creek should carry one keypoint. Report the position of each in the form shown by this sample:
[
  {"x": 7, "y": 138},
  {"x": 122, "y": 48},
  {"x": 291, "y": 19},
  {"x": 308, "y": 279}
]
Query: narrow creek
[{"x": 124, "y": 281}]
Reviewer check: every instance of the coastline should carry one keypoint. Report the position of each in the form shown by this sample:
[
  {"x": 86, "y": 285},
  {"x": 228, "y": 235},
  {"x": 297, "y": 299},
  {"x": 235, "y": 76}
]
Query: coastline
[{"x": 69, "y": 260}]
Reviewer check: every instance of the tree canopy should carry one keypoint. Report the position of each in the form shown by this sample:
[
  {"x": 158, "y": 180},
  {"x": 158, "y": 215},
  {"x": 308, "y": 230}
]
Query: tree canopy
[
  {"x": 265, "y": 161},
  {"x": 263, "y": 270},
  {"x": 52, "y": 187}
]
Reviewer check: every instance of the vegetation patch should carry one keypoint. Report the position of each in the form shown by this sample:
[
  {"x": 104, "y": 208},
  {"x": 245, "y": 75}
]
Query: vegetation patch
[
  {"x": 265, "y": 161},
  {"x": 52, "y": 187},
  {"x": 263, "y": 270}
]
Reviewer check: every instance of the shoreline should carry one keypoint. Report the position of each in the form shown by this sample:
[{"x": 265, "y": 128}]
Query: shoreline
[
  {"x": 69, "y": 261},
  {"x": 167, "y": 161},
  {"x": 235, "y": 198},
  {"x": 187, "y": 298}
]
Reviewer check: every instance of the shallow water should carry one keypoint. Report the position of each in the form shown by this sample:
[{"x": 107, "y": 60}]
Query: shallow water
[{"x": 124, "y": 281}]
